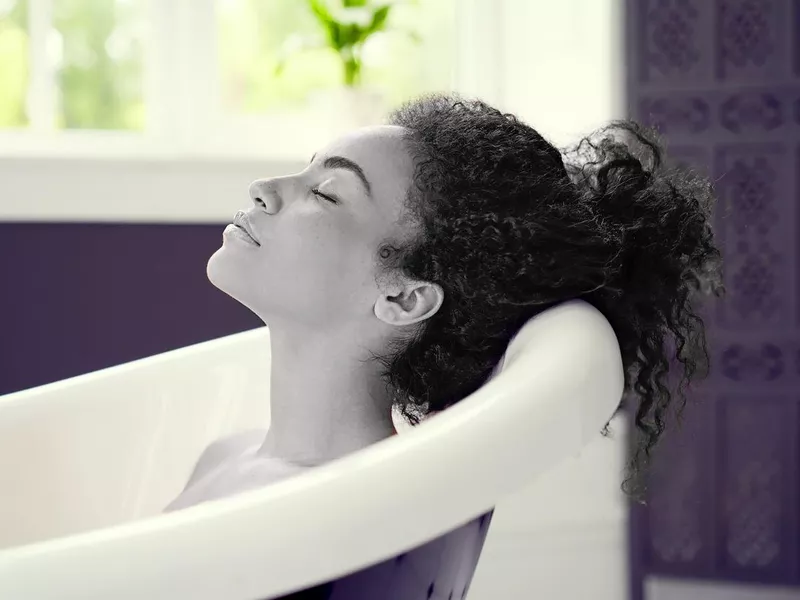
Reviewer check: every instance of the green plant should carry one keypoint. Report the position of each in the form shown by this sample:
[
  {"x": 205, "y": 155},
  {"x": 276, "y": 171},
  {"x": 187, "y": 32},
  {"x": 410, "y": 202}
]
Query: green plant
[{"x": 347, "y": 27}]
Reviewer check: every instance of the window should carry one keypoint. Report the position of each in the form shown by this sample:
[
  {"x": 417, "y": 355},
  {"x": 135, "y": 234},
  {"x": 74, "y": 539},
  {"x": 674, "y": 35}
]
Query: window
[
  {"x": 72, "y": 64},
  {"x": 96, "y": 51},
  {"x": 204, "y": 77}
]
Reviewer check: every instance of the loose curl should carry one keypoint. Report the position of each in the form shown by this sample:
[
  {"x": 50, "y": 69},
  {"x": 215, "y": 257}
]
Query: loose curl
[{"x": 509, "y": 226}]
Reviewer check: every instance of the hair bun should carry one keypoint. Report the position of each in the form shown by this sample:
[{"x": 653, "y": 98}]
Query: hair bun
[{"x": 658, "y": 212}]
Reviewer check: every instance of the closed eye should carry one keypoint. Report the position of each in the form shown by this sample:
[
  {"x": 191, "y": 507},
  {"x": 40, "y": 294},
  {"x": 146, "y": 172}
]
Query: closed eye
[{"x": 331, "y": 199}]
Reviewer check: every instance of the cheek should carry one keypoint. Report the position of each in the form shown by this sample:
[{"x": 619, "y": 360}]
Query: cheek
[{"x": 328, "y": 254}]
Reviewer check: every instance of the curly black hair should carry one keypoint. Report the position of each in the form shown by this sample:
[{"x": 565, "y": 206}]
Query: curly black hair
[{"x": 509, "y": 226}]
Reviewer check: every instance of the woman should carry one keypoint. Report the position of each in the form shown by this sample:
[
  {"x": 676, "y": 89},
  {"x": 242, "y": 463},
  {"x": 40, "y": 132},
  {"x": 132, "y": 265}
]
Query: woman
[{"x": 396, "y": 267}]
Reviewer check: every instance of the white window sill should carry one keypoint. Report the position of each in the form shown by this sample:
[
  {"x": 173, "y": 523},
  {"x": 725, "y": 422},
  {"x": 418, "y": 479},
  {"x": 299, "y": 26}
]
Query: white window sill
[{"x": 120, "y": 187}]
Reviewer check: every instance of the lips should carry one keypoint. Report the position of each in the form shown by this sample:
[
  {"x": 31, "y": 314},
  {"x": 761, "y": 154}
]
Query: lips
[{"x": 242, "y": 222}]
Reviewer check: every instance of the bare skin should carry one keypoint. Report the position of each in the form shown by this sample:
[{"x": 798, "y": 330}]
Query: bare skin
[
  {"x": 229, "y": 466},
  {"x": 308, "y": 268}
]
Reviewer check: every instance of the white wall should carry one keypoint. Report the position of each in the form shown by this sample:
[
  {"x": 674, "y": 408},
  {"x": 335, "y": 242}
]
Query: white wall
[
  {"x": 557, "y": 65},
  {"x": 575, "y": 79}
]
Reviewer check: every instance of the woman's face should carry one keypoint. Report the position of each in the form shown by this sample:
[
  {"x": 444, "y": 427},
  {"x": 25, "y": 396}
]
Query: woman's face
[{"x": 317, "y": 233}]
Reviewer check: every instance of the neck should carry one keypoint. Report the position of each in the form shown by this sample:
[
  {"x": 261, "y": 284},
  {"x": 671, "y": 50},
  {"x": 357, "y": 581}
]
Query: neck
[{"x": 325, "y": 399}]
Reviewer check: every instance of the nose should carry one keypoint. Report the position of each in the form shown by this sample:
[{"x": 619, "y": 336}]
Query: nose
[{"x": 264, "y": 194}]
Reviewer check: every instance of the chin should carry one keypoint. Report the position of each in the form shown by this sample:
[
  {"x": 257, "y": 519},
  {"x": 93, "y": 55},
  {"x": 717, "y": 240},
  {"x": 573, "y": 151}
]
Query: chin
[
  {"x": 227, "y": 275},
  {"x": 214, "y": 270}
]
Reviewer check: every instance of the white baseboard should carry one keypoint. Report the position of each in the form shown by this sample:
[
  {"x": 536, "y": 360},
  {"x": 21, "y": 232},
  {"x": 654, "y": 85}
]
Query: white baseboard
[{"x": 657, "y": 588}]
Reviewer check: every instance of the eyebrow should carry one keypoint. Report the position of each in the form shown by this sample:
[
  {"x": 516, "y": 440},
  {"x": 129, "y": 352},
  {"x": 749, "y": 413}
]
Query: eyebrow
[{"x": 340, "y": 162}]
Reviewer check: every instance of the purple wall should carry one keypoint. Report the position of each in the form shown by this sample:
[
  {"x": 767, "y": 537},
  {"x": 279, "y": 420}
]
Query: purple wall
[
  {"x": 80, "y": 297},
  {"x": 721, "y": 79}
]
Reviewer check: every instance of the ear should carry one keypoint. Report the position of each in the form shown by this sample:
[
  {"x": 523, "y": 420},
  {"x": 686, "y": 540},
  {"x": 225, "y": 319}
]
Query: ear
[{"x": 410, "y": 304}]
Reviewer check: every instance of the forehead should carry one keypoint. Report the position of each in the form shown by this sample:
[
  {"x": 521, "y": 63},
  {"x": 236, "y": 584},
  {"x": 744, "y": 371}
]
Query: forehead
[{"x": 382, "y": 153}]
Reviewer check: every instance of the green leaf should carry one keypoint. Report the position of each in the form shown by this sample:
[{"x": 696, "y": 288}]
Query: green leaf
[
  {"x": 320, "y": 10},
  {"x": 354, "y": 3},
  {"x": 377, "y": 23},
  {"x": 332, "y": 27},
  {"x": 379, "y": 19},
  {"x": 352, "y": 34},
  {"x": 337, "y": 35}
]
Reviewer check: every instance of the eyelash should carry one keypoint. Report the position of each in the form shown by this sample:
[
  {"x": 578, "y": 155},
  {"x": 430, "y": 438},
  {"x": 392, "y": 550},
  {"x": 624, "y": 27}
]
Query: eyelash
[{"x": 330, "y": 199}]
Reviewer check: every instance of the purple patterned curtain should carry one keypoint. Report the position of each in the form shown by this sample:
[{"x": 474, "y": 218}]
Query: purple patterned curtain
[{"x": 721, "y": 80}]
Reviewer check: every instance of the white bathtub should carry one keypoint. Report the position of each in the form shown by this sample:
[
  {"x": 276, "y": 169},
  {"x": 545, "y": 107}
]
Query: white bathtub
[{"x": 88, "y": 464}]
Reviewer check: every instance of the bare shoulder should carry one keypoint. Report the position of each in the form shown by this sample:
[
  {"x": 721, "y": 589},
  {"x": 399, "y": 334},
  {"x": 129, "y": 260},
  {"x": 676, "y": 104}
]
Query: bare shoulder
[{"x": 227, "y": 447}]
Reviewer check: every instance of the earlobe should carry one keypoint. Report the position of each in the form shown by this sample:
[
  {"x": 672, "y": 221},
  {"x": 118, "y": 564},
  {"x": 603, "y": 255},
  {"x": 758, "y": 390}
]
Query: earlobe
[{"x": 410, "y": 306}]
